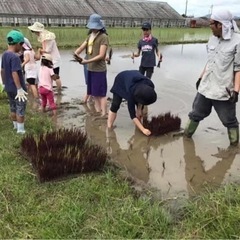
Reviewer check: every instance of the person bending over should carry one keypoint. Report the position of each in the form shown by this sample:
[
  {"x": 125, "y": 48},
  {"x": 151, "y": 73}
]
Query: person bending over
[{"x": 138, "y": 90}]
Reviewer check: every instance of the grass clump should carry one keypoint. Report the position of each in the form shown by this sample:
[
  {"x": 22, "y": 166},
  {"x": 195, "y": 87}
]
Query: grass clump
[{"x": 62, "y": 152}]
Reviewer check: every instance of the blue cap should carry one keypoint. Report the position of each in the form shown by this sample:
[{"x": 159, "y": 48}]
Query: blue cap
[{"x": 146, "y": 25}]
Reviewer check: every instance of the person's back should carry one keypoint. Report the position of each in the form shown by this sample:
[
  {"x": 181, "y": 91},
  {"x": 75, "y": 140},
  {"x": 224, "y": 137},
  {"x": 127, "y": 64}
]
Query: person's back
[{"x": 12, "y": 63}]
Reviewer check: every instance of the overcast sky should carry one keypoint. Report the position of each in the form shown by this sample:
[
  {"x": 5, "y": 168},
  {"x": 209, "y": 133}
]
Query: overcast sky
[{"x": 203, "y": 7}]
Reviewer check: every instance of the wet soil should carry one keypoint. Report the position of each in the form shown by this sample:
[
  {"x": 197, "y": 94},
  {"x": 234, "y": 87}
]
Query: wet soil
[{"x": 171, "y": 164}]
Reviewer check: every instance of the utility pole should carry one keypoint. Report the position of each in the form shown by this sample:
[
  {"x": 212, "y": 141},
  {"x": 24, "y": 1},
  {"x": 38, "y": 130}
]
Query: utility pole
[{"x": 186, "y": 8}]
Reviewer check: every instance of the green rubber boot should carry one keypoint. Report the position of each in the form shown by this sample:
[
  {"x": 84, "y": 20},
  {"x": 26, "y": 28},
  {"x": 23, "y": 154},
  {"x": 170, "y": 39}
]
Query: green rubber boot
[
  {"x": 190, "y": 128},
  {"x": 233, "y": 135}
]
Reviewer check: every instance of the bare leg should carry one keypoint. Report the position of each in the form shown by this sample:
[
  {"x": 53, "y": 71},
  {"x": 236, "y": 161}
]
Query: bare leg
[
  {"x": 59, "y": 85},
  {"x": 111, "y": 118},
  {"x": 97, "y": 104},
  {"x": 34, "y": 91},
  {"x": 103, "y": 104}
]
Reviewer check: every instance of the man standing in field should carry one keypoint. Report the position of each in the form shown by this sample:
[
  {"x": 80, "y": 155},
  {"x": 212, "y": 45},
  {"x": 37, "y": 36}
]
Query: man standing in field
[
  {"x": 148, "y": 46},
  {"x": 219, "y": 83}
]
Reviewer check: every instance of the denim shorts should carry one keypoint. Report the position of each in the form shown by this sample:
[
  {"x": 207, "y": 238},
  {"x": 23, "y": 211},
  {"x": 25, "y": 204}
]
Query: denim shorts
[{"x": 16, "y": 106}]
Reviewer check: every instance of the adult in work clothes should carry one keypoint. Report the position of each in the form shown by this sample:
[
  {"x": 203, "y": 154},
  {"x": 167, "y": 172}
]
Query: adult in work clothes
[{"x": 219, "y": 84}]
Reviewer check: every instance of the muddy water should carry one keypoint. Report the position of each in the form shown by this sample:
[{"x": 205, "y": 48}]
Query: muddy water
[{"x": 175, "y": 166}]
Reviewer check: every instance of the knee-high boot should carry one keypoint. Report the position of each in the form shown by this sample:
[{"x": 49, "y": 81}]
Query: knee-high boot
[
  {"x": 233, "y": 135},
  {"x": 190, "y": 128}
]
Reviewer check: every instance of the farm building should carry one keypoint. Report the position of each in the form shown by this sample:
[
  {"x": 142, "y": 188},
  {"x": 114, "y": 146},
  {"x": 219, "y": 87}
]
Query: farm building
[{"x": 115, "y": 13}]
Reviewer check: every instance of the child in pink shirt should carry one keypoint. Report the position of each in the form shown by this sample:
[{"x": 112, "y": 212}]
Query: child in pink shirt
[{"x": 46, "y": 77}]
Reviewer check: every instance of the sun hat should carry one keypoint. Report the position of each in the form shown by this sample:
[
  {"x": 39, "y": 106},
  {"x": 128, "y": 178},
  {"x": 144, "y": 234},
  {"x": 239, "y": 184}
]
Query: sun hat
[
  {"x": 146, "y": 25},
  {"x": 95, "y": 22},
  {"x": 144, "y": 94},
  {"x": 47, "y": 57},
  {"x": 14, "y": 37},
  {"x": 37, "y": 27}
]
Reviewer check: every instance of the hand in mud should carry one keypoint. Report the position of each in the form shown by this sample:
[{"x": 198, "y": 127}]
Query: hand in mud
[{"x": 146, "y": 132}]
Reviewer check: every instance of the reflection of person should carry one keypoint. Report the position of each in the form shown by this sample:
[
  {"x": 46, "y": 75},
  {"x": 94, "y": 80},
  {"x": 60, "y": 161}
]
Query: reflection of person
[
  {"x": 138, "y": 90},
  {"x": 49, "y": 46},
  {"x": 96, "y": 46},
  {"x": 46, "y": 77},
  {"x": 196, "y": 175},
  {"x": 12, "y": 77},
  {"x": 148, "y": 46},
  {"x": 220, "y": 76}
]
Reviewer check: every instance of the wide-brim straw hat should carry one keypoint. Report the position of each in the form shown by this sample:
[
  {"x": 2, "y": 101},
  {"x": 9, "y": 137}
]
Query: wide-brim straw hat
[
  {"x": 95, "y": 22},
  {"x": 37, "y": 27}
]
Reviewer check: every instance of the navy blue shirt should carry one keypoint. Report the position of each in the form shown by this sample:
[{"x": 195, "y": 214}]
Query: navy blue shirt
[
  {"x": 148, "y": 50},
  {"x": 125, "y": 84},
  {"x": 12, "y": 63}
]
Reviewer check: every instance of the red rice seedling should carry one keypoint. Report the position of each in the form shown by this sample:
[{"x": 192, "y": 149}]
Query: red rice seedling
[
  {"x": 61, "y": 153},
  {"x": 162, "y": 124}
]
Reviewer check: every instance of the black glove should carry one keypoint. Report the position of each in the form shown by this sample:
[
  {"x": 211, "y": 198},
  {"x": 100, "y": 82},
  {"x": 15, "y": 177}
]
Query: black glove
[
  {"x": 234, "y": 97},
  {"x": 198, "y": 82},
  {"x": 158, "y": 65}
]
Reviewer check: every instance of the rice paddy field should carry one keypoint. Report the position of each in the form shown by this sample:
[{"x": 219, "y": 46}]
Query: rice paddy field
[{"x": 73, "y": 37}]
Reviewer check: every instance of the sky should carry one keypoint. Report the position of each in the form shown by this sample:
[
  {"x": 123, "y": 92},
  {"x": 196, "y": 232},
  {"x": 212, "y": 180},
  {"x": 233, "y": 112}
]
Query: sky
[{"x": 198, "y": 8}]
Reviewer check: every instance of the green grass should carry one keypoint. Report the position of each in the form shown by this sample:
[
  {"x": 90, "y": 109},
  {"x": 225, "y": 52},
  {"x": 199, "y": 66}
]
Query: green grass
[
  {"x": 69, "y": 37},
  {"x": 99, "y": 205}
]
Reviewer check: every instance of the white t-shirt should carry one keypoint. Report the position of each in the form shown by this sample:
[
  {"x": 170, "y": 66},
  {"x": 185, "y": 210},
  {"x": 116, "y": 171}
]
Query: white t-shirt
[
  {"x": 30, "y": 67},
  {"x": 50, "y": 46}
]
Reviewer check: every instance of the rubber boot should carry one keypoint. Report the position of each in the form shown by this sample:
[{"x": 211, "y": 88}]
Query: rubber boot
[
  {"x": 190, "y": 128},
  {"x": 233, "y": 135}
]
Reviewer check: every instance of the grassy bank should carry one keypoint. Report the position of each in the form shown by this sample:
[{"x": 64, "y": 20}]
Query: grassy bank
[
  {"x": 100, "y": 205},
  {"x": 72, "y": 37}
]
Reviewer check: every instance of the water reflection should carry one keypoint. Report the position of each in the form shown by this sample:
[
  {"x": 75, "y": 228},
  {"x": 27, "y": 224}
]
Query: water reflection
[{"x": 173, "y": 166}]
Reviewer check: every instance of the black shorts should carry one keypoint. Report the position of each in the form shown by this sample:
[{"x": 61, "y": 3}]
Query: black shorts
[
  {"x": 31, "y": 81},
  {"x": 56, "y": 70}
]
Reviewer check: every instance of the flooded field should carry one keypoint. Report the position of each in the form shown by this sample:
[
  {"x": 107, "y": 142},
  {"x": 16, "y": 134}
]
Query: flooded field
[{"x": 173, "y": 165}]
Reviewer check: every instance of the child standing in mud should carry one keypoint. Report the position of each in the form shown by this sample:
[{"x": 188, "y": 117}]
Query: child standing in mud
[
  {"x": 13, "y": 80},
  {"x": 46, "y": 77},
  {"x": 30, "y": 68},
  {"x": 148, "y": 46}
]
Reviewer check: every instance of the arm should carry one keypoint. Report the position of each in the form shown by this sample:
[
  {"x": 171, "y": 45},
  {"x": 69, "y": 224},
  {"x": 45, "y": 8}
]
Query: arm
[
  {"x": 3, "y": 76},
  {"x": 16, "y": 80},
  {"x": 37, "y": 55},
  {"x": 26, "y": 59},
  {"x": 237, "y": 82},
  {"x": 136, "y": 54},
  {"x": 81, "y": 48},
  {"x": 100, "y": 56},
  {"x": 55, "y": 77},
  {"x": 144, "y": 130}
]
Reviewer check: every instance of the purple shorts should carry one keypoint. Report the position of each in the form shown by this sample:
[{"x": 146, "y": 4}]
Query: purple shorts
[{"x": 97, "y": 84}]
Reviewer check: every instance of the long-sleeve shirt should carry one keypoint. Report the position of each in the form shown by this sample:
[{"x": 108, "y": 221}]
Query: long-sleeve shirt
[{"x": 223, "y": 61}]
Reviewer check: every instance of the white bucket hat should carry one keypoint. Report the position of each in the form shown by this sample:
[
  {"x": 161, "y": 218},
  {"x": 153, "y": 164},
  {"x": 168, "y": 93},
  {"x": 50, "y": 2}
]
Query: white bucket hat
[
  {"x": 47, "y": 57},
  {"x": 95, "y": 22},
  {"x": 37, "y": 27}
]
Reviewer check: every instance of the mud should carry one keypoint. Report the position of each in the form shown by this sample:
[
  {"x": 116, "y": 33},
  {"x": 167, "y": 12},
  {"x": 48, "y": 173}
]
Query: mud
[{"x": 173, "y": 165}]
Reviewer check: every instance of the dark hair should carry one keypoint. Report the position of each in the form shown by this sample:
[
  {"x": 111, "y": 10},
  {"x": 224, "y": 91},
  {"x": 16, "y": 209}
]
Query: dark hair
[{"x": 46, "y": 63}]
